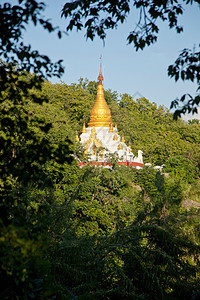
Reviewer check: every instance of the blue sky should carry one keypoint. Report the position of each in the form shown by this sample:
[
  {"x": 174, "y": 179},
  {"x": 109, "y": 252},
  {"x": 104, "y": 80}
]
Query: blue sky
[{"x": 124, "y": 69}]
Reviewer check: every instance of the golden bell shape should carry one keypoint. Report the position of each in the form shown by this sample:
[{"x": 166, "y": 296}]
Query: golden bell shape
[
  {"x": 123, "y": 140},
  {"x": 84, "y": 129},
  {"x": 111, "y": 128},
  {"x": 100, "y": 115},
  {"x": 120, "y": 147},
  {"x": 115, "y": 137}
]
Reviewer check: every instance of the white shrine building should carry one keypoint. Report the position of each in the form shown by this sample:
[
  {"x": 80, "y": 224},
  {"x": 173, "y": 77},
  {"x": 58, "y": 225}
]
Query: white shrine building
[{"x": 101, "y": 138}]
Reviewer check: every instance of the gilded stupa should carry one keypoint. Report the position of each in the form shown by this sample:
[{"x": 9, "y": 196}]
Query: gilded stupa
[
  {"x": 100, "y": 138},
  {"x": 100, "y": 115}
]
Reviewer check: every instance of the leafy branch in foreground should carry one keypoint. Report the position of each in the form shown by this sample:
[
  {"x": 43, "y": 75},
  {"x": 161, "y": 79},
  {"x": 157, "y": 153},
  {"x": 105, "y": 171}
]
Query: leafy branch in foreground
[
  {"x": 186, "y": 67},
  {"x": 99, "y": 16},
  {"x": 13, "y": 22}
]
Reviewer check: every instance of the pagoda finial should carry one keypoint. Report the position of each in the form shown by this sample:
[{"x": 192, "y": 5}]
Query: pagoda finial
[
  {"x": 116, "y": 128},
  {"x": 111, "y": 127},
  {"x": 77, "y": 138},
  {"x": 100, "y": 115},
  {"x": 84, "y": 129},
  {"x": 115, "y": 137},
  {"x": 120, "y": 147},
  {"x": 100, "y": 77},
  {"x": 93, "y": 133}
]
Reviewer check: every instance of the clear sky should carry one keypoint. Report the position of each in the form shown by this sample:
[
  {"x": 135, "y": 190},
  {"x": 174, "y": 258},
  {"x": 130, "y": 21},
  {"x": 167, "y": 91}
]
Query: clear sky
[{"x": 124, "y": 69}]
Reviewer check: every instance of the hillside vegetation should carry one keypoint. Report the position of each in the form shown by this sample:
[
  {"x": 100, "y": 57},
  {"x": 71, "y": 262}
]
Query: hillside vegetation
[{"x": 94, "y": 233}]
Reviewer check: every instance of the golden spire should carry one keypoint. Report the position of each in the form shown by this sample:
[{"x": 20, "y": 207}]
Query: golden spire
[
  {"x": 120, "y": 147},
  {"x": 130, "y": 147},
  {"x": 123, "y": 140},
  {"x": 115, "y": 137},
  {"x": 116, "y": 128},
  {"x": 84, "y": 129},
  {"x": 100, "y": 115},
  {"x": 111, "y": 128},
  {"x": 77, "y": 138},
  {"x": 93, "y": 132}
]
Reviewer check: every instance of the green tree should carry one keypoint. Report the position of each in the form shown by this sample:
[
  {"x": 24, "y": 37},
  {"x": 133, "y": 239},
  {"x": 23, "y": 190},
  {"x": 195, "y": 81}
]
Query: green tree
[
  {"x": 182, "y": 168},
  {"x": 142, "y": 257},
  {"x": 26, "y": 187},
  {"x": 104, "y": 201}
]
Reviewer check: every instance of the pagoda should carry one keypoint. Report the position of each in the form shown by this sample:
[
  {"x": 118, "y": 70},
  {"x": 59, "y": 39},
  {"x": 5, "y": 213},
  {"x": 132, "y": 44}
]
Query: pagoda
[{"x": 100, "y": 138}]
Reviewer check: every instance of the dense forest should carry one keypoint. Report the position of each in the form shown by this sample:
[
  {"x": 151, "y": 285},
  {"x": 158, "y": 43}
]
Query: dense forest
[
  {"x": 91, "y": 232},
  {"x": 94, "y": 233}
]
